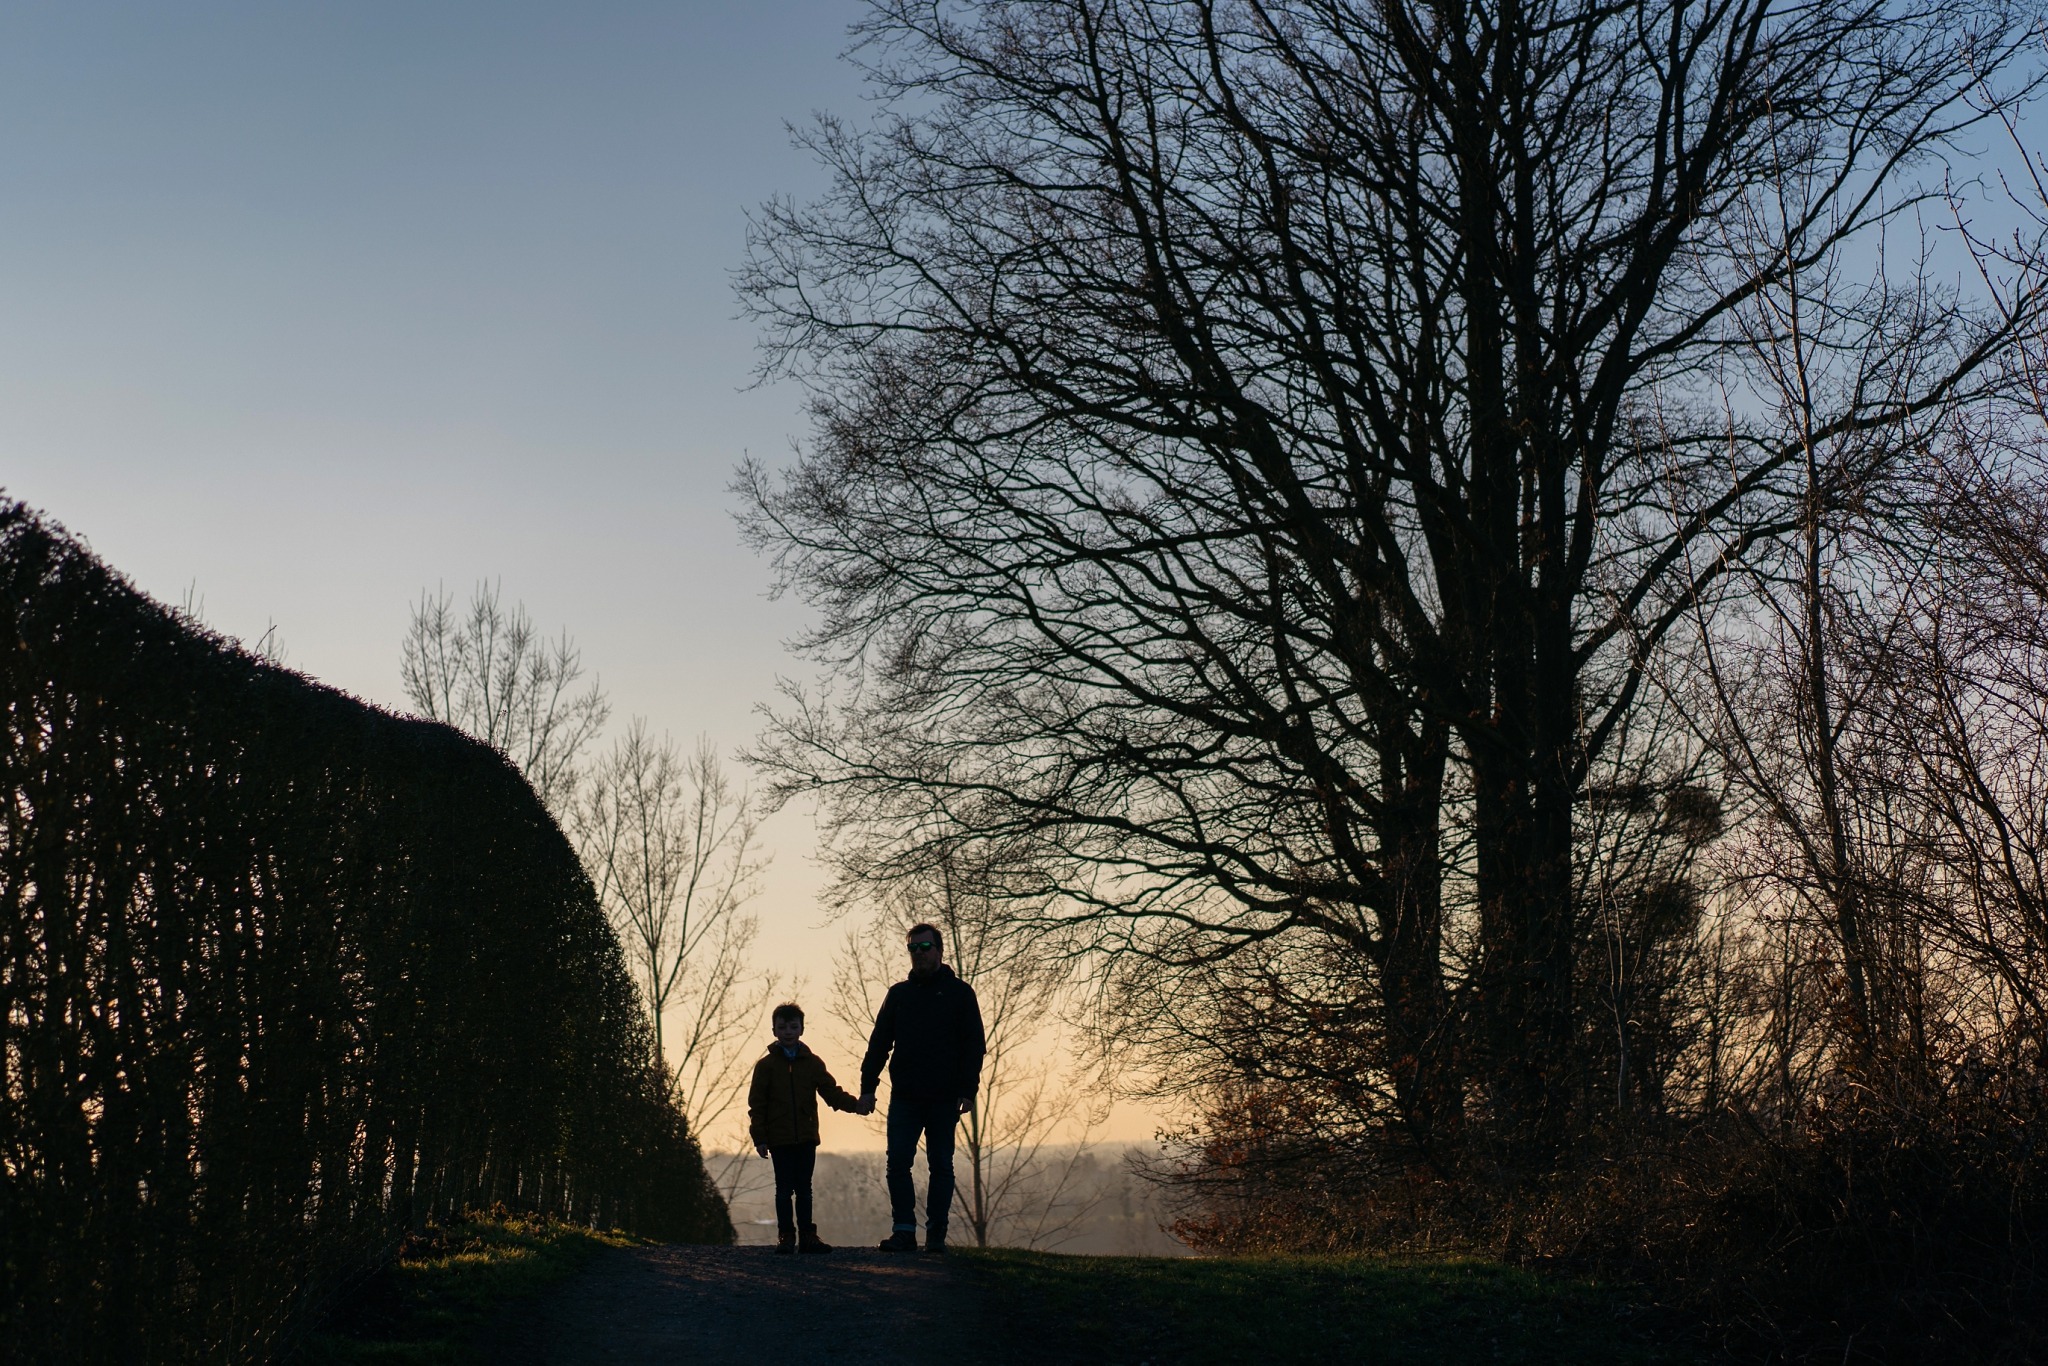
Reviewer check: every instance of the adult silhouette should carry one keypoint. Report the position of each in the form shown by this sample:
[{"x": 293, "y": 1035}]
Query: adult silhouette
[{"x": 931, "y": 1023}]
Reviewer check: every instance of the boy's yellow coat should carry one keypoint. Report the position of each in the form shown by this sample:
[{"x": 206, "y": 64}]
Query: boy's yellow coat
[{"x": 782, "y": 1103}]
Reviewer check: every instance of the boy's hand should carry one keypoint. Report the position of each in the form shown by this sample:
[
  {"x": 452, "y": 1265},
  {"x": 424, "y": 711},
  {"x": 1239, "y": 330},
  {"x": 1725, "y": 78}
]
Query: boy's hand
[
  {"x": 761, "y": 1149},
  {"x": 867, "y": 1102}
]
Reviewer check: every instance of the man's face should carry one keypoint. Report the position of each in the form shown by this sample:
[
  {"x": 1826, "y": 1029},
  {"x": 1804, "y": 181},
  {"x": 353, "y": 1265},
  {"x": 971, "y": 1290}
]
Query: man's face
[{"x": 924, "y": 952}]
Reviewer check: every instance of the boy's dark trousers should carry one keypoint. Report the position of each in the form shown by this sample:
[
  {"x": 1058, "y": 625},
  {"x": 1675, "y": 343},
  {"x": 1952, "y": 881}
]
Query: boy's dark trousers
[
  {"x": 794, "y": 1163},
  {"x": 933, "y": 1121}
]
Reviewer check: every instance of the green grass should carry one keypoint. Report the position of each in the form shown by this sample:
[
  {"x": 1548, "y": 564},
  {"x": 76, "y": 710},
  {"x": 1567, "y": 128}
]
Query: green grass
[
  {"x": 1121, "y": 1311},
  {"x": 423, "y": 1310}
]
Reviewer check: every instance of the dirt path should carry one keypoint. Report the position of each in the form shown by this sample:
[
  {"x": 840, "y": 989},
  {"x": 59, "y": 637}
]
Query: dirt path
[{"x": 680, "y": 1306}]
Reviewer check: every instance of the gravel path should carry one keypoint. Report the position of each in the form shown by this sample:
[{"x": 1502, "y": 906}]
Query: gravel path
[{"x": 680, "y": 1306}]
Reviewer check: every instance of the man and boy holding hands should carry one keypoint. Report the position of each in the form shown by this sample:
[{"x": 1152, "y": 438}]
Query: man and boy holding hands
[{"x": 931, "y": 1023}]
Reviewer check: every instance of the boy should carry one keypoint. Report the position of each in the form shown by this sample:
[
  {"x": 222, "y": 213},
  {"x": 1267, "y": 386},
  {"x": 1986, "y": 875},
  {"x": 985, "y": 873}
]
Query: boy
[{"x": 782, "y": 1110}]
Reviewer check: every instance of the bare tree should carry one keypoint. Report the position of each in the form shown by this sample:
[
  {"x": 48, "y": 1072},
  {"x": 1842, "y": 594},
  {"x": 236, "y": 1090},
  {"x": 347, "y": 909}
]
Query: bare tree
[
  {"x": 1797, "y": 699},
  {"x": 667, "y": 839},
  {"x": 669, "y": 842},
  {"x": 1648, "y": 965},
  {"x": 1963, "y": 668},
  {"x": 1026, "y": 1142},
  {"x": 1243, "y": 424},
  {"x": 491, "y": 674}
]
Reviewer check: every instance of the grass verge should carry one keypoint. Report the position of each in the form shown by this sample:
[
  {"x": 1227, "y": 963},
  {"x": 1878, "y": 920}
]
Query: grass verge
[
  {"x": 1357, "y": 1310},
  {"x": 424, "y": 1309}
]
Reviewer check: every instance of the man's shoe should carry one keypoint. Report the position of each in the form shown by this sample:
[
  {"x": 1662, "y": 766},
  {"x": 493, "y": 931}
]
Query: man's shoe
[
  {"x": 785, "y": 1241},
  {"x": 934, "y": 1242},
  {"x": 809, "y": 1241},
  {"x": 902, "y": 1240}
]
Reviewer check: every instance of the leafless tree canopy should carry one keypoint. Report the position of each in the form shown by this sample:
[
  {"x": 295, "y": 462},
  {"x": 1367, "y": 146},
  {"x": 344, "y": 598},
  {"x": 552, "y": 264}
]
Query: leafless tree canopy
[
  {"x": 490, "y": 674},
  {"x": 668, "y": 840},
  {"x": 1263, "y": 449}
]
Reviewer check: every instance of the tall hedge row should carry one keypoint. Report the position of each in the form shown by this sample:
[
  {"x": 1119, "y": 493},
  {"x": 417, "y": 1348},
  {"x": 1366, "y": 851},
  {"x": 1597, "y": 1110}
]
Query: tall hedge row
[{"x": 281, "y": 975}]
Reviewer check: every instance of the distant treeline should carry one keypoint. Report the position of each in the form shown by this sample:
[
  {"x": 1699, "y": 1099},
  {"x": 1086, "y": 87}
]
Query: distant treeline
[
  {"x": 281, "y": 976},
  {"x": 1093, "y": 1200}
]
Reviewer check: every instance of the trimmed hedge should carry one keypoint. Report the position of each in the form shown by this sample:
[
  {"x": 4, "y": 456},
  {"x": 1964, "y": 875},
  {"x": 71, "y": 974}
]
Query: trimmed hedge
[{"x": 281, "y": 977}]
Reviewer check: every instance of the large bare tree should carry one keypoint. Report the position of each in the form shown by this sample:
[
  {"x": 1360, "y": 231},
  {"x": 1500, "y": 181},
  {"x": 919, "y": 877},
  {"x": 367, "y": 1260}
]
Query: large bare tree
[{"x": 1244, "y": 428}]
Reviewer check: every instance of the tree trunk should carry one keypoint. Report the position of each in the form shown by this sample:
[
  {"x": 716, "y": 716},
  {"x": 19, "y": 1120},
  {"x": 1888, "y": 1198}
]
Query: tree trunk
[{"x": 1421, "y": 1034}]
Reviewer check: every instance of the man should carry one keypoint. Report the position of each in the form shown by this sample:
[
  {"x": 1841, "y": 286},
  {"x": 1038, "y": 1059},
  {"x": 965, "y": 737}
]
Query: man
[{"x": 933, "y": 1023}]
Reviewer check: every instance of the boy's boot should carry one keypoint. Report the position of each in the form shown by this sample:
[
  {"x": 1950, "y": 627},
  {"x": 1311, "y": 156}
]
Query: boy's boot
[
  {"x": 785, "y": 1240},
  {"x": 935, "y": 1240},
  {"x": 901, "y": 1240},
  {"x": 809, "y": 1241}
]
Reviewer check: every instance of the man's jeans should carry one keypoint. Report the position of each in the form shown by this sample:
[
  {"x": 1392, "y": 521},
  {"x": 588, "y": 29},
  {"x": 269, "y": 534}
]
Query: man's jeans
[{"x": 932, "y": 1120}]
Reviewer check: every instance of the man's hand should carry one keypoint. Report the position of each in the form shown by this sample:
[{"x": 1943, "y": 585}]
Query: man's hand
[
  {"x": 761, "y": 1149},
  {"x": 966, "y": 1104},
  {"x": 867, "y": 1102}
]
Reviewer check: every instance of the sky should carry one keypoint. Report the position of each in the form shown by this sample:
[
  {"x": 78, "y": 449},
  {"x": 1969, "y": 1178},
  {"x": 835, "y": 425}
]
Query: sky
[{"x": 307, "y": 308}]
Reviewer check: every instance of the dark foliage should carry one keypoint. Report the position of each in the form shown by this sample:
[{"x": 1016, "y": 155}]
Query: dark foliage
[
  {"x": 282, "y": 976},
  {"x": 1876, "y": 1226}
]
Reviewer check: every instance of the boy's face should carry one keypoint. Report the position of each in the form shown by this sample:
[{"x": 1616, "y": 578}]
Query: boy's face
[{"x": 789, "y": 1029}]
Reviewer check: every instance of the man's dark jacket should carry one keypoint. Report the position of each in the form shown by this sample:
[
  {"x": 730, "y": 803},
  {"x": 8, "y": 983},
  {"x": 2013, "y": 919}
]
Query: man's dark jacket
[{"x": 933, "y": 1022}]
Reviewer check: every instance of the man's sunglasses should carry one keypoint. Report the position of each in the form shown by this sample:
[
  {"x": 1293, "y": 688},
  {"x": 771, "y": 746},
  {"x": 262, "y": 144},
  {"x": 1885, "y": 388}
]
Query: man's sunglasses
[{"x": 921, "y": 945}]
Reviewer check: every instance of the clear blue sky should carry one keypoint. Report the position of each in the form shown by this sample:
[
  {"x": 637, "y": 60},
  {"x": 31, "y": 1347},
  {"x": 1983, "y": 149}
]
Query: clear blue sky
[
  {"x": 306, "y": 307},
  {"x": 309, "y": 306},
  {"x": 313, "y": 305}
]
